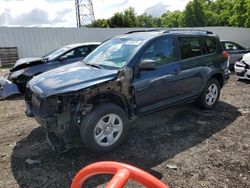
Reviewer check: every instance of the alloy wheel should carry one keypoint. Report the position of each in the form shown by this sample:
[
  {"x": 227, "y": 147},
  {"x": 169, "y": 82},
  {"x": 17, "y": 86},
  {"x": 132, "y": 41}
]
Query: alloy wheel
[{"x": 108, "y": 130}]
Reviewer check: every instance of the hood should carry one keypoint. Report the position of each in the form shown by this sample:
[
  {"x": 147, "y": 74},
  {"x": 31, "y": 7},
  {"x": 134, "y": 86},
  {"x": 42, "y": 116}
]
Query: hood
[
  {"x": 26, "y": 62},
  {"x": 69, "y": 78}
]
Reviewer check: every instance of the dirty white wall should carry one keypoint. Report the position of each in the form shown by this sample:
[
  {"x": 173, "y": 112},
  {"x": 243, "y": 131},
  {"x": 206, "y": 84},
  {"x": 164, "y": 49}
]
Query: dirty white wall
[{"x": 38, "y": 41}]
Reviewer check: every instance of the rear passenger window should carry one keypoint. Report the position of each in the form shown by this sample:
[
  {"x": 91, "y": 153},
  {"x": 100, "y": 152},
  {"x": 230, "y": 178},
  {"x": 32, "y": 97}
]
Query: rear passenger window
[
  {"x": 190, "y": 47},
  {"x": 161, "y": 50},
  {"x": 210, "y": 44}
]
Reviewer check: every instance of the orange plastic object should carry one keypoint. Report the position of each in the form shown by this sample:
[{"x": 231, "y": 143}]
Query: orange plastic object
[{"x": 122, "y": 172}]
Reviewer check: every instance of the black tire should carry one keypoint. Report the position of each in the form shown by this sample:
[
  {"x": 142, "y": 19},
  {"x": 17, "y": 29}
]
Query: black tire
[
  {"x": 89, "y": 126},
  {"x": 202, "y": 101}
]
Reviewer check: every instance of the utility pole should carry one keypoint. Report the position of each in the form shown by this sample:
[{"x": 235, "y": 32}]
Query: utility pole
[{"x": 84, "y": 12}]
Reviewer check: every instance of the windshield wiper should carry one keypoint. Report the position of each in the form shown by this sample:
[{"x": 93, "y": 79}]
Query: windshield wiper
[{"x": 94, "y": 65}]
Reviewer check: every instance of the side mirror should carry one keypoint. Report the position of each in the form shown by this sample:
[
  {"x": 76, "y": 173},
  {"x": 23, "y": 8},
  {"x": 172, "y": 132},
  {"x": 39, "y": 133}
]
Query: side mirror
[
  {"x": 62, "y": 58},
  {"x": 147, "y": 65}
]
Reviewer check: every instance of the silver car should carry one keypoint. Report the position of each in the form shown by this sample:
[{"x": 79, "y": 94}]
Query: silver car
[{"x": 235, "y": 51}]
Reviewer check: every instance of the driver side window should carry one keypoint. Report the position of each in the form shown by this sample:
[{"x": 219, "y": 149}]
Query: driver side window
[
  {"x": 161, "y": 50},
  {"x": 77, "y": 53}
]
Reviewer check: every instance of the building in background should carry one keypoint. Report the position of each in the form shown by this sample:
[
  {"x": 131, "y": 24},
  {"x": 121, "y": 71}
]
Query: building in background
[{"x": 34, "y": 42}]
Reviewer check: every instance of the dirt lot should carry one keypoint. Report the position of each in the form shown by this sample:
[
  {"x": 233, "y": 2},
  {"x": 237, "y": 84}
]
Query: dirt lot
[{"x": 209, "y": 148}]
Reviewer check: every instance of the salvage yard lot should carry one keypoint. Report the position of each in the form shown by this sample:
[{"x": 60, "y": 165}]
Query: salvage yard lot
[{"x": 208, "y": 148}]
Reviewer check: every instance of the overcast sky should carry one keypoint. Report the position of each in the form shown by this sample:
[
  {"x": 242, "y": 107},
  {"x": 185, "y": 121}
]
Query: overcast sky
[{"x": 61, "y": 13}]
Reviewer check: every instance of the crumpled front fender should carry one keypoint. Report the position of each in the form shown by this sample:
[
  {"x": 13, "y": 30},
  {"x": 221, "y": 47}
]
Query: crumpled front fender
[{"x": 7, "y": 88}]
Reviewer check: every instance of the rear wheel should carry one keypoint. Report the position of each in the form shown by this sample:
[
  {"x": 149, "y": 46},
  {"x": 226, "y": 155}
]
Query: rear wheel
[
  {"x": 210, "y": 95},
  {"x": 104, "y": 128}
]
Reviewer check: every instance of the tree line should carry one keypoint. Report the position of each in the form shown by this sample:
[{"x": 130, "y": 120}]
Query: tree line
[{"x": 197, "y": 13}]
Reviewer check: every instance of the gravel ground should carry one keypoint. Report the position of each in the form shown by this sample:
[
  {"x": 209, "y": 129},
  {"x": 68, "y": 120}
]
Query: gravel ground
[{"x": 209, "y": 148}]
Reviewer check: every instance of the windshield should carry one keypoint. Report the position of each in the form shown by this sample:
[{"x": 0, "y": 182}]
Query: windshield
[
  {"x": 56, "y": 53},
  {"x": 115, "y": 53}
]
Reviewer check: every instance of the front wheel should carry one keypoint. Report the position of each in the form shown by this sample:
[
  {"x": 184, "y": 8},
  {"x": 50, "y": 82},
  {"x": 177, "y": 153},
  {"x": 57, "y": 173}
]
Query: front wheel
[
  {"x": 104, "y": 128},
  {"x": 210, "y": 95}
]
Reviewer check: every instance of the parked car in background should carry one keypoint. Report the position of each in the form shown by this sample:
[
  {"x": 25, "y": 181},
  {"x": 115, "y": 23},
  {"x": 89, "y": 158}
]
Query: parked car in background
[
  {"x": 235, "y": 51},
  {"x": 25, "y": 69},
  {"x": 242, "y": 67},
  {"x": 126, "y": 77}
]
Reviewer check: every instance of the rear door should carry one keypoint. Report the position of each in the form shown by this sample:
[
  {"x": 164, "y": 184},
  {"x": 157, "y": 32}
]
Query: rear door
[{"x": 193, "y": 61}]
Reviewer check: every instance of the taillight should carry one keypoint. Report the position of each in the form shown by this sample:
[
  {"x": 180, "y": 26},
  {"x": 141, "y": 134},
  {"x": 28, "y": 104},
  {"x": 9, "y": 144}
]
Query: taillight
[{"x": 225, "y": 54}]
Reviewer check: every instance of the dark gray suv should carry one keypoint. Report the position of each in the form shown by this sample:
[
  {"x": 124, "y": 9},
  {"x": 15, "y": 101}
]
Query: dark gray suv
[{"x": 124, "y": 78}]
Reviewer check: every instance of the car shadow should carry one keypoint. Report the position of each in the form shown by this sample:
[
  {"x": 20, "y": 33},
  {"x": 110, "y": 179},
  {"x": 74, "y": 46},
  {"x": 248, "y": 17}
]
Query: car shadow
[
  {"x": 152, "y": 140},
  {"x": 244, "y": 81},
  {"x": 16, "y": 97}
]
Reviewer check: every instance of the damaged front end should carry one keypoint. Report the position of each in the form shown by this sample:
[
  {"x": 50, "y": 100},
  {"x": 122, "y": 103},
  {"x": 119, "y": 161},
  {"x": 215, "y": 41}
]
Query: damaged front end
[
  {"x": 8, "y": 88},
  {"x": 60, "y": 99},
  {"x": 14, "y": 83},
  {"x": 242, "y": 70},
  {"x": 60, "y": 116}
]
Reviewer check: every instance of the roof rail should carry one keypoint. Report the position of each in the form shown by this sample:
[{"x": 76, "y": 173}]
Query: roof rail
[
  {"x": 144, "y": 30},
  {"x": 188, "y": 30},
  {"x": 171, "y": 30}
]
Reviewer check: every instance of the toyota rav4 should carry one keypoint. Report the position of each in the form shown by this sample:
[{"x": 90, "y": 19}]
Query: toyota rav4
[{"x": 124, "y": 78}]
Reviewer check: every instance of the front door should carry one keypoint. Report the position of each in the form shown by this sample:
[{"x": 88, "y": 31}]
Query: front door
[{"x": 158, "y": 87}]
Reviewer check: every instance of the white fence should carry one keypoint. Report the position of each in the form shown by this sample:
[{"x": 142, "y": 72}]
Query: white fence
[{"x": 38, "y": 41}]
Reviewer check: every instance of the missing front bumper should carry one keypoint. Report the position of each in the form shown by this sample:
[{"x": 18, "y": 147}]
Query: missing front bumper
[{"x": 7, "y": 88}]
